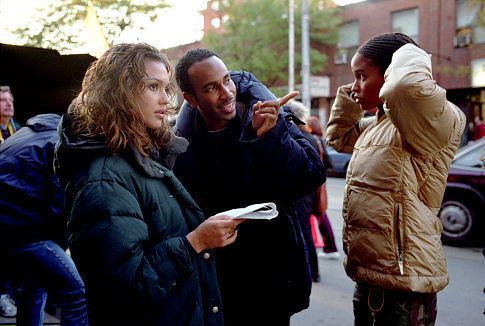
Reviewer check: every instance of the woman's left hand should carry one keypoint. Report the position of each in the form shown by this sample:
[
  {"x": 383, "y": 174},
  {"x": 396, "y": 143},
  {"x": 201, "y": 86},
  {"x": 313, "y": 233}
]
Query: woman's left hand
[{"x": 215, "y": 232}]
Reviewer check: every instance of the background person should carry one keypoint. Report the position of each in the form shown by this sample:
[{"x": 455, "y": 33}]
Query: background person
[
  {"x": 7, "y": 124},
  {"x": 240, "y": 155},
  {"x": 307, "y": 205},
  {"x": 7, "y": 127},
  {"x": 139, "y": 240},
  {"x": 395, "y": 180},
  {"x": 479, "y": 129},
  {"x": 32, "y": 225},
  {"x": 330, "y": 250}
]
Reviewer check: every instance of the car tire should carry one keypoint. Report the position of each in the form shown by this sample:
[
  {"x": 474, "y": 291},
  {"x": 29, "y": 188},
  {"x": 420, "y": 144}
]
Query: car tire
[{"x": 459, "y": 221}]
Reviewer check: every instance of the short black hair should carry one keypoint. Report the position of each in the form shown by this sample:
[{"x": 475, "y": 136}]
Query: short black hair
[
  {"x": 183, "y": 65},
  {"x": 381, "y": 48}
]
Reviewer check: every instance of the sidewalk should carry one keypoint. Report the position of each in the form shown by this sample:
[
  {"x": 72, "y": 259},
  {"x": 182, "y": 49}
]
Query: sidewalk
[{"x": 48, "y": 320}]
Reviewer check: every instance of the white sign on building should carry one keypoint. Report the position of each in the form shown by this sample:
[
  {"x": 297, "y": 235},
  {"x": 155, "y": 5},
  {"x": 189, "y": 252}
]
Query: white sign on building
[
  {"x": 319, "y": 86},
  {"x": 478, "y": 72}
]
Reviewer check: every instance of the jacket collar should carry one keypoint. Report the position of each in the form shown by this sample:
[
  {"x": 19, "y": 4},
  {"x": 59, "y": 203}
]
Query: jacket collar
[{"x": 166, "y": 156}]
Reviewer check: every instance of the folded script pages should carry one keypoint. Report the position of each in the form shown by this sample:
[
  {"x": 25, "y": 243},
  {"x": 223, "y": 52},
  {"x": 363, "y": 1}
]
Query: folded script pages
[{"x": 264, "y": 211}]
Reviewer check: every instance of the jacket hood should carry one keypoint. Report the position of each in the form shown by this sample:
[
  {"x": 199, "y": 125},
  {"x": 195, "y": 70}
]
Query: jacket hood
[
  {"x": 44, "y": 122},
  {"x": 168, "y": 155},
  {"x": 76, "y": 150}
]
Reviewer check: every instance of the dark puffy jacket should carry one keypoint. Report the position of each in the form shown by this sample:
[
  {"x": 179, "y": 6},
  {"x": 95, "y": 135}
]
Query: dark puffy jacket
[
  {"x": 129, "y": 216},
  {"x": 31, "y": 199},
  {"x": 266, "y": 268}
]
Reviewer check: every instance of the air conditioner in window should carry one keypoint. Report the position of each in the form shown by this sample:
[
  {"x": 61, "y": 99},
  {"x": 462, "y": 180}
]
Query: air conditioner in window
[
  {"x": 462, "y": 40},
  {"x": 340, "y": 58}
]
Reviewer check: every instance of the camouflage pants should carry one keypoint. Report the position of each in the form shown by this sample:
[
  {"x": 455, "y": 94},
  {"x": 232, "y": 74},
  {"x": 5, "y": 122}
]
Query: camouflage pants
[{"x": 375, "y": 306}]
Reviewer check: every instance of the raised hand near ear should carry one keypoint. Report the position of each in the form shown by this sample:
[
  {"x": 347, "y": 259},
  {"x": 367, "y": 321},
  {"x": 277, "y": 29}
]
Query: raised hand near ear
[{"x": 265, "y": 115}]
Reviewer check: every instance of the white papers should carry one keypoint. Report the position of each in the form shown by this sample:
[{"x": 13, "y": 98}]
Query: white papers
[{"x": 264, "y": 211}]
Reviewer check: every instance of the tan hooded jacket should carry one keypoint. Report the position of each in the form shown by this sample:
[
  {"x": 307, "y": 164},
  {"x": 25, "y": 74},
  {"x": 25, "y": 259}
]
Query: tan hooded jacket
[{"x": 397, "y": 176}]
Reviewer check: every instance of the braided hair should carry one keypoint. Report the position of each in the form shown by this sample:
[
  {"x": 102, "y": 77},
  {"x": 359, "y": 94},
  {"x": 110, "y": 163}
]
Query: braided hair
[{"x": 381, "y": 48}]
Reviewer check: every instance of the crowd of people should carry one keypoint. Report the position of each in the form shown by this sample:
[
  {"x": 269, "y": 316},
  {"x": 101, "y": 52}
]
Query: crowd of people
[{"x": 142, "y": 203}]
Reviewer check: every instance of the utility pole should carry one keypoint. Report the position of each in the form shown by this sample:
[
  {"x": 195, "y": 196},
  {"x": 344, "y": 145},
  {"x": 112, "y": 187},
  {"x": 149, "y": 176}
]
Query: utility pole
[
  {"x": 305, "y": 55},
  {"x": 291, "y": 48}
]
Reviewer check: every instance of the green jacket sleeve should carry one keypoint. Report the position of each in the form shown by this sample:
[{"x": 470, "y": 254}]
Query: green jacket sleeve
[{"x": 112, "y": 245}]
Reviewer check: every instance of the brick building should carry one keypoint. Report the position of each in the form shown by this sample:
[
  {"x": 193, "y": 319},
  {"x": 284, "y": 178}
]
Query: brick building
[{"x": 447, "y": 29}]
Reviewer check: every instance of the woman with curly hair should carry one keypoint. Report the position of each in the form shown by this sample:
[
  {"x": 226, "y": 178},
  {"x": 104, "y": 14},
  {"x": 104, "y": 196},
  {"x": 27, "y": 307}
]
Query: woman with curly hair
[
  {"x": 395, "y": 180},
  {"x": 139, "y": 240}
]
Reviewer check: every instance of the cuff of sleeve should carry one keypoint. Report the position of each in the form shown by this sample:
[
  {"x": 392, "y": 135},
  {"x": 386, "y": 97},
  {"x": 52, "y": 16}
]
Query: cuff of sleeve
[
  {"x": 249, "y": 134},
  {"x": 266, "y": 141},
  {"x": 189, "y": 247}
]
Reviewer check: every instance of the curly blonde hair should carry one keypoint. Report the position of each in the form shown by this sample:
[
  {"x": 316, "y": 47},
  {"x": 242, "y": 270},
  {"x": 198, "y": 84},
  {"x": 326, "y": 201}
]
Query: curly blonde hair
[{"x": 107, "y": 106}]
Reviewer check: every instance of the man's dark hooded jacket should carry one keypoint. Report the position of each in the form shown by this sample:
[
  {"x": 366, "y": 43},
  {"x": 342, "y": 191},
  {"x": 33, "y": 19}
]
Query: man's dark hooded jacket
[
  {"x": 267, "y": 267},
  {"x": 31, "y": 199},
  {"x": 128, "y": 218}
]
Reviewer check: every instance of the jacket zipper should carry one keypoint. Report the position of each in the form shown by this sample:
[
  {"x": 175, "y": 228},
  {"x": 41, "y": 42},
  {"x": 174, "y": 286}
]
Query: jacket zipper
[
  {"x": 399, "y": 248},
  {"x": 401, "y": 265}
]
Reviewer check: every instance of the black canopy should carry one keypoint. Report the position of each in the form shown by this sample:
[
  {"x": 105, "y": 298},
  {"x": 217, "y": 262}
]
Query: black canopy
[{"x": 41, "y": 80}]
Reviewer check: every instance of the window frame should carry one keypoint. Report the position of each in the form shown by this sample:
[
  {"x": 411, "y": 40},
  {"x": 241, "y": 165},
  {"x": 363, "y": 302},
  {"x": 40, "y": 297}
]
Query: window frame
[
  {"x": 343, "y": 54},
  {"x": 394, "y": 29}
]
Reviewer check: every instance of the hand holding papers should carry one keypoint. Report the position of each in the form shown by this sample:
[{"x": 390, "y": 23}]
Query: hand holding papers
[{"x": 264, "y": 211}]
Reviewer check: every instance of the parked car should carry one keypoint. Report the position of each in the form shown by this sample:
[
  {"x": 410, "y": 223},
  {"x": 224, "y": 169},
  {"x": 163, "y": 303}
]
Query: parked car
[
  {"x": 340, "y": 162},
  {"x": 463, "y": 208}
]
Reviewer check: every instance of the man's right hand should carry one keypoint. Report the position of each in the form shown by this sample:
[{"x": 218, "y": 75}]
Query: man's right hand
[{"x": 265, "y": 115}]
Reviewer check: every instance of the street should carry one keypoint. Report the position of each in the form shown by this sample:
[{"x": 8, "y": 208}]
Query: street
[{"x": 461, "y": 303}]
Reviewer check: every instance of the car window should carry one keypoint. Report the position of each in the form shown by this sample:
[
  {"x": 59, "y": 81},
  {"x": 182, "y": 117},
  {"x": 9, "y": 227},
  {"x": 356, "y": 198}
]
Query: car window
[{"x": 470, "y": 159}]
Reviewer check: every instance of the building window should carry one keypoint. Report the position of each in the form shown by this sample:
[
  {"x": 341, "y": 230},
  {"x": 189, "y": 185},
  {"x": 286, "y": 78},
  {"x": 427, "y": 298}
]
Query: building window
[
  {"x": 348, "y": 42},
  {"x": 215, "y": 5},
  {"x": 406, "y": 22},
  {"x": 468, "y": 28},
  {"x": 216, "y": 22},
  {"x": 478, "y": 72}
]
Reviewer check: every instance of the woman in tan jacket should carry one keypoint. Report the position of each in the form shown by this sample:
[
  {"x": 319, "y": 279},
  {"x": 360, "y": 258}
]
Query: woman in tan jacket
[{"x": 395, "y": 180}]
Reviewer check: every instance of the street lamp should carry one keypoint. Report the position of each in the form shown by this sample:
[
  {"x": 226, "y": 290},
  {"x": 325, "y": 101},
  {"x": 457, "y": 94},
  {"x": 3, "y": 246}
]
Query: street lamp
[
  {"x": 291, "y": 48},
  {"x": 305, "y": 55}
]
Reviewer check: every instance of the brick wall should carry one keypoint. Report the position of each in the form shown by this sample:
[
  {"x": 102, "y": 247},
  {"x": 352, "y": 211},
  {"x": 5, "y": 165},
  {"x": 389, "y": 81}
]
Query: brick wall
[{"x": 451, "y": 66}]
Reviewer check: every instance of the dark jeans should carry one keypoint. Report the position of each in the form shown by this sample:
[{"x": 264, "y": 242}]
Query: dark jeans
[
  {"x": 6, "y": 287},
  {"x": 326, "y": 230},
  {"x": 388, "y": 307},
  {"x": 44, "y": 266}
]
